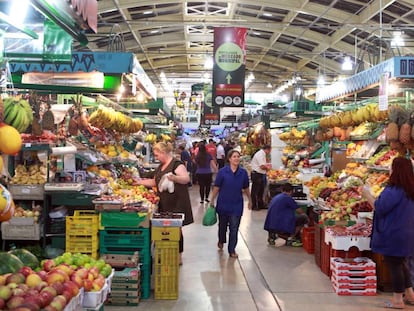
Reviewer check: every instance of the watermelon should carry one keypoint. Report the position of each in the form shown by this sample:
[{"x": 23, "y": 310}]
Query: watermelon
[
  {"x": 9, "y": 263},
  {"x": 26, "y": 257}
]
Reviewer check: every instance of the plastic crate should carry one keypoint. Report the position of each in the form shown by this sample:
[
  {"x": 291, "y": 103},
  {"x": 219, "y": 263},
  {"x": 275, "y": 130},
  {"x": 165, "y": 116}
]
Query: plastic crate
[
  {"x": 308, "y": 239},
  {"x": 123, "y": 219},
  {"x": 86, "y": 245},
  {"x": 122, "y": 301},
  {"x": 347, "y": 265},
  {"x": 82, "y": 223},
  {"x": 165, "y": 233},
  {"x": 355, "y": 290},
  {"x": 175, "y": 220},
  {"x": 126, "y": 241},
  {"x": 354, "y": 279},
  {"x": 166, "y": 268},
  {"x": 20, "y": 232},
  {"x": 26, "y": 192}
]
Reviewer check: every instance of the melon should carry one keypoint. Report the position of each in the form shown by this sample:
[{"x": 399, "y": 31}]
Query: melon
[
  {"x": 9, "y": 263},
  {"x": 10, "y": 139},
  {"x": 26, "y": 257}
]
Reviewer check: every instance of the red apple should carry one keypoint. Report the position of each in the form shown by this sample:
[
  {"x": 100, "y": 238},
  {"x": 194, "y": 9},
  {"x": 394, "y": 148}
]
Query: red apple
[
  {"x": 72, "y": 286},
  {"x": 23, "y": 286},
  {"x": 14, "y": 302},
  {"x": 50, "y": 289},
  {"x": 49, "y": 308},
  {"x": 82, "y": 272},
  {"x": 48, "y": 264},
  {"x": 26, "y": 271},
  {"x": 2, "y": 304},
  {"x": 64, "y": 268},
  {"x": 77, "y": 280},
  {"x": 42, "y": 274},
  {"x": 59, "y": 302},
  {"x": 3, "y": 278},
  {"x": 16, "y": 277},
  {"x": 87, "y": 285},
  {"x": 58, "y": 286},
  {"x": 18, "y": 292},
  {"x": 68, "y": 294},
  {"x": 46, "y": 297},
  {"x": 33, "y": 302},
  {"x": 40, "y": 286},
  {"x": 56, "y": 276},
  {"x": 94, "y": 271}
]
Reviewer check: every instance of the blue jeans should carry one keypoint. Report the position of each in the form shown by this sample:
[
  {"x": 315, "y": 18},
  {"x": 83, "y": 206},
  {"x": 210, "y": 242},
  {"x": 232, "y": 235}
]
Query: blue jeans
[{"x": 233, "y": 223}]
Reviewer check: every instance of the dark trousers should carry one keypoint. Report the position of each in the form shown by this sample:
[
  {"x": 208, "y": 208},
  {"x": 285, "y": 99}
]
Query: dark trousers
[
  {"x": 400, "y": 275},
  {"x": 258, "y": 186},
  {"x": 204, "y": 181},
  {"x": 300, "y": 221},
  {"x": 220, "y": 163},
  {"x": 233, "y": 223}
]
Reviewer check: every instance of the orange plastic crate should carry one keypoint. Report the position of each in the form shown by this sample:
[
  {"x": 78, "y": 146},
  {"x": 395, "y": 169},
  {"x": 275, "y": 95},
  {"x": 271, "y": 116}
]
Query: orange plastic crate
[{"x": 308, "y": 239}]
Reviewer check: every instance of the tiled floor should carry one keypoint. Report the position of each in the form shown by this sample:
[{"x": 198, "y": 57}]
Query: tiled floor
[{"x": 262, "y": 278}]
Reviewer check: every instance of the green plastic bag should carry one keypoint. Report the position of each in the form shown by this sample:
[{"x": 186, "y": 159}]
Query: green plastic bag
[{"x": 210, "y": 216}]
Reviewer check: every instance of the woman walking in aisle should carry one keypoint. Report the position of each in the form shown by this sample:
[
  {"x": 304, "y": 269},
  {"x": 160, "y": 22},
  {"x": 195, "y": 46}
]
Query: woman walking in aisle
[
  {"x": 175, "y": 200},
  {"x": 205, "y": 166},
  {"x": 393, "y": 229},
  {"x": 230, "y": 184}
]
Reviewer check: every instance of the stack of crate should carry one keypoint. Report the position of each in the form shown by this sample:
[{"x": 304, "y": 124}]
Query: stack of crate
[
  {"x": 82, "y": 233},
  {"x": 126, "y": 282},
  {"x": 165, "y": 232},
  {"x": 354, "y": 276},
  {"x": 125, "y": 238}
]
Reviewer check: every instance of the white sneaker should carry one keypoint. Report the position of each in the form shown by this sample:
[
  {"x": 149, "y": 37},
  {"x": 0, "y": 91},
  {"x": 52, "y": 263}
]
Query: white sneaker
[{"x": 280, "y": 242}]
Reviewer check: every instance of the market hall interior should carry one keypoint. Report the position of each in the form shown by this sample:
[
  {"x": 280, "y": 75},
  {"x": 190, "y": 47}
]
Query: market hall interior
[{"x": 263, "y": 278}]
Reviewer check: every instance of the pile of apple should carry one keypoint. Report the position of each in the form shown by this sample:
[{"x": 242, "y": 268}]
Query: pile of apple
[{"x": 51, "y": 288}]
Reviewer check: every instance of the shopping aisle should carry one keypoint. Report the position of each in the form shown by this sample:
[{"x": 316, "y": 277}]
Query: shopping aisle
[{"x": 262, "y": 278}]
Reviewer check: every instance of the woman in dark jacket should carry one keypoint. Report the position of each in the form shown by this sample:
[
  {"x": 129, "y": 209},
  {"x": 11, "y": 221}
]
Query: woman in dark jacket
[
  {"x": 205, "y": 166},
  {"x": 393, "y": 229}
]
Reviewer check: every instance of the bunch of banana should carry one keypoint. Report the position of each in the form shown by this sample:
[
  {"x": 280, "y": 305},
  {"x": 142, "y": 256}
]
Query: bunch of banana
[
  {"x": 114, "y": 120},
  {"x": 17, "y": 113},
  {"x": 151, "y": 138}
]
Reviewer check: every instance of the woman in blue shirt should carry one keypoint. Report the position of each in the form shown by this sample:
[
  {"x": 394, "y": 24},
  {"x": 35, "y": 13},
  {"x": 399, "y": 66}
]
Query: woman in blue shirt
[
  {"x": 393, "y": 229},
  {"x": 230, "y": 184}
]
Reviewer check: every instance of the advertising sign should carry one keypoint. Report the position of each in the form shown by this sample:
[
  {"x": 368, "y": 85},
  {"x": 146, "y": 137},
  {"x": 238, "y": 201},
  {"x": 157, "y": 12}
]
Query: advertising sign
[{"x": 229, "y": 66}]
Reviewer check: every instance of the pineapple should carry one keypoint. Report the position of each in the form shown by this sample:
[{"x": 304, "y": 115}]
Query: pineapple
[
  {"x": 392, "y": 132},
  {"x": 405, "y": 126}
]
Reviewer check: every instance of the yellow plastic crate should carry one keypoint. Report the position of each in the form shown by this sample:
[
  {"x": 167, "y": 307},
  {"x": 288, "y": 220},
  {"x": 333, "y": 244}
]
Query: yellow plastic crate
[
  {"x": 82, "y": 223},
  {"x": 85, "y": 245},
  {"x": 165, "y": 233},
  {"x": 166, "y": 270}
]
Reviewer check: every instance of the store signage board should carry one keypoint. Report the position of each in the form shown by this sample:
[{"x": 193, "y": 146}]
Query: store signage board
[
  {"x": 397, "y": 67},
  {"x": 229, "y": 66}
]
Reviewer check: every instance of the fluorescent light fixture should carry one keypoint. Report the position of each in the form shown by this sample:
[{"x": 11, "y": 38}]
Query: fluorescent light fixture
[
  {"x": 267, "y": 14},
  {"x": 140, "y": 110},
  {"x": 82, "y": 79},
  {"x": 147, "y": 12},
  {"x": 18, "y": 11},
  {"x": 397, "y": 39},
  {"x": 347, "y": 64}
]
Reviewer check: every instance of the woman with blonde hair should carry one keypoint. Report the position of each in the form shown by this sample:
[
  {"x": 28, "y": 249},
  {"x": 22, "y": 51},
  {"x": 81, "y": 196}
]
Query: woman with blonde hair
[{"x": 177, "y": 200}]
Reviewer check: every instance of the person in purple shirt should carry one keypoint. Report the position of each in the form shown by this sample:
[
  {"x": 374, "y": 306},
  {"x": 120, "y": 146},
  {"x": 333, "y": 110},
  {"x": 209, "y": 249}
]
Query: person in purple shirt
[{"x": 205, "y": 166}]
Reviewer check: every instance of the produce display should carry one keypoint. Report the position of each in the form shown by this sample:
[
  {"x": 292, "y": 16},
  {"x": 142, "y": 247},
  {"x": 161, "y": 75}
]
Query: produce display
[
  {"x": 17, "y": 113},
  {"x": 283, "y": 176},
  {"x": 26, "y": 284},
  {"x": 34, "y": 174}
]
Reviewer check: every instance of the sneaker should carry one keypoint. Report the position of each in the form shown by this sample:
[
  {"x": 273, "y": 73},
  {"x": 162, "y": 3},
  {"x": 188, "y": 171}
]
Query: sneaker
[
  {"x": 207, "y": 200},
  {"x": 201, "y": 201},
  {"x": 297, "y": 244},
  {"x": 271, "y": 241},
  {"x": 280, "y": 242}
]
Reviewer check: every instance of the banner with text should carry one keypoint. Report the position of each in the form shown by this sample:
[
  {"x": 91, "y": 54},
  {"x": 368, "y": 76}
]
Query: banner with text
[
  {"x": 210, "y": 114},
  {"x": 229, "y": 66}
]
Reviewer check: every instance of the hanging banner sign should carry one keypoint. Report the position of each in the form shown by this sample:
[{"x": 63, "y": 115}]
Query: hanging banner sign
[
  {"x": 229, "y": 66},
  {"x": 383, "y": 91},
  {"x": 210, "y": 114}
]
